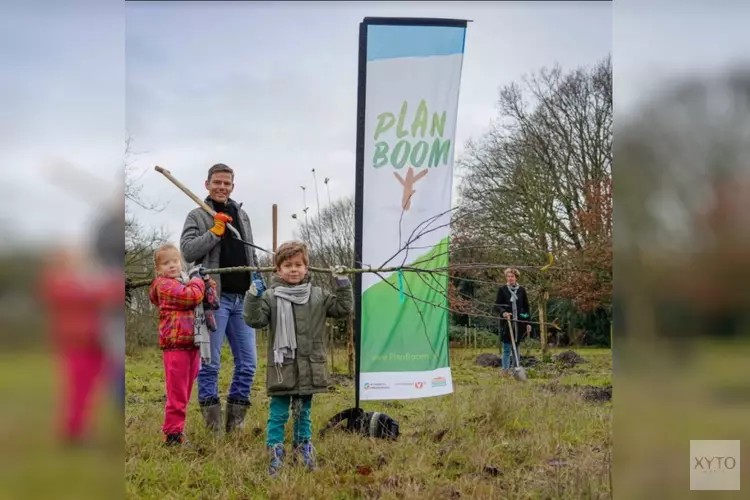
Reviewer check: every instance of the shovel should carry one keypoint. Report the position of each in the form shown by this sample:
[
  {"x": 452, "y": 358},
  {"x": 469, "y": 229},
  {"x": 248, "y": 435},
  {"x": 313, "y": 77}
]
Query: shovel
[
  {"x": 166, "y": 173},
  {"x": 519, "y": 373}
]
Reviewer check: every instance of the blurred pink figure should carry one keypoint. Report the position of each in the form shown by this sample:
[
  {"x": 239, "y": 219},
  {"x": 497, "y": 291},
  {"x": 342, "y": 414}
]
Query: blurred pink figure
[{"x": 74, "y": 299}]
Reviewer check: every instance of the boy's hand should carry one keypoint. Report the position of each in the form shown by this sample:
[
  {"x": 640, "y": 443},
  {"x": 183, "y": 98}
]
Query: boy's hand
[
  {"x": 220, "y": 223},
  {"x": 339, "y": 272},
  {"x": 257, "y": 287}
]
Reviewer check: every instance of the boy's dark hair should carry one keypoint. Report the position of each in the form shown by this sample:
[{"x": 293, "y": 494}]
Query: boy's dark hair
[
  {"x": 220, "y": 167},
  {"x": 288, "y": 250}
]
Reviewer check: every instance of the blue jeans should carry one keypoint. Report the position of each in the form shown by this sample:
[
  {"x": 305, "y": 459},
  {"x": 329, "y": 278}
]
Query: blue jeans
[
  {"x": 508, "y": 355},
  {"x": 241, "y": 338},
  {"x": 278, "y": 416}
]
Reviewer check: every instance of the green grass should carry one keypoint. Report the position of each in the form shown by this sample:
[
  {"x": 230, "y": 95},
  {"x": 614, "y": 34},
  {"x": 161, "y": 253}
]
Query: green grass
[
  {"x": 493, "y": 438},
  {"x": 33, "y": 465}
]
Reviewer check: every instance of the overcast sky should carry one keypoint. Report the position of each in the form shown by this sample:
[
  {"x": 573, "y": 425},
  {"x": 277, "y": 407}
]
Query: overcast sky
[{"x": 270, "y": 88}]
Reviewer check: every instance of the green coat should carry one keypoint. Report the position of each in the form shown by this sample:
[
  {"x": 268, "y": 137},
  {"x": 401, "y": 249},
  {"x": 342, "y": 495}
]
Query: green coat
[{"x": 307, "y": 373}]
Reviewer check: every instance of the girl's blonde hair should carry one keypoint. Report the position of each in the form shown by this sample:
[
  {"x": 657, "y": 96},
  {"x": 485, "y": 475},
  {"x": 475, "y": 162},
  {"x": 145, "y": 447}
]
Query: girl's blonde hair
[
  {"x": 513, "y": 270},
  {"x": 165, "y": 249}
]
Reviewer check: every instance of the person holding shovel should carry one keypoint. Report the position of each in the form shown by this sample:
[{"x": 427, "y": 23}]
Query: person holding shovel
[
  {"x": 512, "y": 303},
  {"x": 205, "y": 241}
]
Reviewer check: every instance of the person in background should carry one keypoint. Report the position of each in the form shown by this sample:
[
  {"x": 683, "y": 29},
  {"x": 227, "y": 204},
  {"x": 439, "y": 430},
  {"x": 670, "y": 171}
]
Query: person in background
[
  {"x": 74, "y": 295},
  {"x": 512, "y": 303},
  {"x": 296, "y": 312}
]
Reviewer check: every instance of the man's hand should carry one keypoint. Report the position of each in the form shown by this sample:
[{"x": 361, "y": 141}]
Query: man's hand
[
  {"x": 220, "y": 223},
  {"x": 257, "y": 287},
  {"x": 339, "y": 272}
]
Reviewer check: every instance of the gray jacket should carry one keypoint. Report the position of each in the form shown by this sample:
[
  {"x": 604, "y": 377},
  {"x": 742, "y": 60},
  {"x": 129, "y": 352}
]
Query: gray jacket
[{"x": 202, "y": 247}]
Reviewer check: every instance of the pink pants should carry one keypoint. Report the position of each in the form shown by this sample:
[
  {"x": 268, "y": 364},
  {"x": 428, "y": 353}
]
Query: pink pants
[
  {"x": 81, "y": 372},
  {"x": 180, "y": 371}
]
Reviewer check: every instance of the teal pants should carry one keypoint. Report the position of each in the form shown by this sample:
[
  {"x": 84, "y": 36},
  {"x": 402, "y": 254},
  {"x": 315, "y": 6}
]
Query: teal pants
[{"x": 279, "y": 415}]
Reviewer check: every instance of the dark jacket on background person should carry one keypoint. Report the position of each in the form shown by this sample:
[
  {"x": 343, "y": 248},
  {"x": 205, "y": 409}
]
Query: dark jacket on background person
[
  {"x": 202, "y": 247},
  {"x": 503, "y": 305}
]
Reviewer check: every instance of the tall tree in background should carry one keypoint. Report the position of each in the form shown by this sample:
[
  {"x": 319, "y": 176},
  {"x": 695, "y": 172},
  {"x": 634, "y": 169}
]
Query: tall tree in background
[{"x": 539, "y": 181}]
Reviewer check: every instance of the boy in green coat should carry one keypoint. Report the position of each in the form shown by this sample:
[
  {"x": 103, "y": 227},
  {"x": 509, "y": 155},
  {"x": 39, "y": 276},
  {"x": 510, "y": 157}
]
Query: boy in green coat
[{"x": 296, "y": 312}]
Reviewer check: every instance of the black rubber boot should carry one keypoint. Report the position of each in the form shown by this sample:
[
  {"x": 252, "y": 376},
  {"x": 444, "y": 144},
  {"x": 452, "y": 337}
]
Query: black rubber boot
[
  {"x": 236, "y": 411},
  {"x": 211, "y": 410}
]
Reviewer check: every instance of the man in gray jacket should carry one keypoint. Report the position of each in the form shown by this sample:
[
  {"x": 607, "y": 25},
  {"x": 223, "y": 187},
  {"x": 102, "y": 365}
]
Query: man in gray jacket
[{"x": 206, "y": 241}]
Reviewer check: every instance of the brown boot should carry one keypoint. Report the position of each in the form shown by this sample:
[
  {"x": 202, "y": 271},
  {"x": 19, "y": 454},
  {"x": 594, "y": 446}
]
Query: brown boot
[
  {"x": 236, "y": 411},
  {"x": 211, "y": 411}
]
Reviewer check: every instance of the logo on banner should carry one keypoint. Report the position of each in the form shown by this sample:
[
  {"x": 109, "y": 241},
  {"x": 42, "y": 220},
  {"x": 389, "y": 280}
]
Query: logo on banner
[
  {"x": 417, "y": 144},
  {"x": 375, "y": 386},
  {"x": 418, "y": 385},
  {"x": 439, "y": 382}
]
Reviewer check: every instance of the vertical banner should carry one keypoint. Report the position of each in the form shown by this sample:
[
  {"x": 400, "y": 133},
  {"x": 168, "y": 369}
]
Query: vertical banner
[{"x": 410, "y": 73}]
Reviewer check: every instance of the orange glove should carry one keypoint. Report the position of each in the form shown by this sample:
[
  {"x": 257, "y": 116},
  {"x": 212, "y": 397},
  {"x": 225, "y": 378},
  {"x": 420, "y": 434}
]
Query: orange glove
[{"x": 220, "y": 224}]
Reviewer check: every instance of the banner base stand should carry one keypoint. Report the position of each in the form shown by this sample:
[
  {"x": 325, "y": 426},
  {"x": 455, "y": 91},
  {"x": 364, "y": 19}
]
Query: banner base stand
[{"x": 365, "y": 423}]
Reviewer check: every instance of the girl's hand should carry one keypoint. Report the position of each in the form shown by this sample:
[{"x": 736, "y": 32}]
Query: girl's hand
[
  {"x": 528, "y": 329},
  {"x": 195, "y": 272}
]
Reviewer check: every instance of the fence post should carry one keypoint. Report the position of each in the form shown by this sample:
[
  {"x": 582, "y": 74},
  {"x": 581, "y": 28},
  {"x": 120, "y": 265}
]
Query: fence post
[{"x": 332, "y": 343}]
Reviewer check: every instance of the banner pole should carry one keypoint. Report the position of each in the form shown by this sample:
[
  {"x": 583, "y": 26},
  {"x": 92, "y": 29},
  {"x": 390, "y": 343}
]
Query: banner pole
[{"x": 358, "y": 204}]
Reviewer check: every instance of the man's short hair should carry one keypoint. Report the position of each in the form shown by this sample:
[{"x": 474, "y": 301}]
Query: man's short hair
[{"x": 220, "y": 167}]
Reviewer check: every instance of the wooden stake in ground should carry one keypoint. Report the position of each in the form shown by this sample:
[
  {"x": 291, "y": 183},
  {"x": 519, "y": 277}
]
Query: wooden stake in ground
[
  {"x": 350, "y": 345},
  {"x": 542, "y": 325},
  {"x": 331, "y": 343},
  {"x": 275, "y": 224}
]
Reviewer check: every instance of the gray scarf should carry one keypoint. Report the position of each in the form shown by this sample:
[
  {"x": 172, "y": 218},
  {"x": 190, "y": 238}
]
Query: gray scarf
[
  {"x": 200, "y": 329},
  {"x": 285, "y": 343}
]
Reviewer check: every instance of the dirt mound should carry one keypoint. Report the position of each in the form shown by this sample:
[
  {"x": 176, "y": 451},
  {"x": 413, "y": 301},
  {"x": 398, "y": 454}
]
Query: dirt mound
[
  {"x": 569, "y": 358},
  {"x": 495, "y": 361},
  {"x": 590, "y": 393},
  {"x": 487, "y": 359},
  {"x": 529, "y": 361},
  {"x": 597, "y": 394}
]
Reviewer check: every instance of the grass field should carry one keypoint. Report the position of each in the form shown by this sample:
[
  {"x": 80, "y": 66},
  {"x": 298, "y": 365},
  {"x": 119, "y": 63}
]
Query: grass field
[
  {"x": 33, "y": 464},
  {"x": 493, "y": 438}
]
